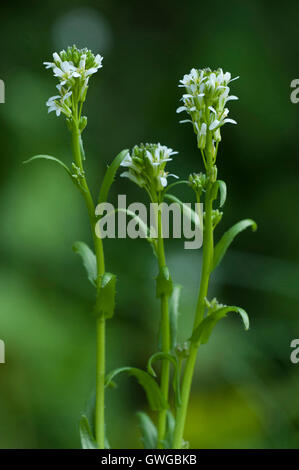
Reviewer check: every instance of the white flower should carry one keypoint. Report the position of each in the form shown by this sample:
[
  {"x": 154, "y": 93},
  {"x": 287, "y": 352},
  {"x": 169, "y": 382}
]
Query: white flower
[
  {"x": 146, "y": 166},
  {"x": 73, "y": 68},
  {"x": 60, "y": 103},
  {"x": 207, "y": 93},
  {"x": 65, "y": 72},
  {"x": 54, "y": 105}
]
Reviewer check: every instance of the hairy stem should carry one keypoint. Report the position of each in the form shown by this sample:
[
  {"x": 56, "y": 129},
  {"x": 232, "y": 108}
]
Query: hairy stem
[
  {"x": 98, "y": 246},
  {"x": 208, "y": 248},
  {"x": 165, "y": 336}
]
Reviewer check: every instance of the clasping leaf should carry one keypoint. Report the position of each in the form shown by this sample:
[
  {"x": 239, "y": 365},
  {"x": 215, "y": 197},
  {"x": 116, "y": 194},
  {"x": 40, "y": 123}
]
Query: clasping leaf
[
  {"x": 152, "y": 390},
  {"x": 105, "y": 302},
  {"x": 87, "y": 439},
  {"x": 203, "y": 332},
  {"x": 164, "y": 283},
  {"x": 162, "y": 356},
  {"x": 89, "y": 260},
  {"x": 148, "y": 431}
]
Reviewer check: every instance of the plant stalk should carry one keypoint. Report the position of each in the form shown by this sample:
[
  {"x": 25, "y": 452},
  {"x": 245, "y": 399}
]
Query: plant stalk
[
  {"x": 165, "y": 336},
  {"x": 208, "y": 249},
  {"x": 100, "y": 326}
]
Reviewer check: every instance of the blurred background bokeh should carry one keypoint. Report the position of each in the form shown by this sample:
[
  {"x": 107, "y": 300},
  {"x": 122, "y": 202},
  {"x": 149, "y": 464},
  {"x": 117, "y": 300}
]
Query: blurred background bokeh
[{"x": 245, "y": 392}]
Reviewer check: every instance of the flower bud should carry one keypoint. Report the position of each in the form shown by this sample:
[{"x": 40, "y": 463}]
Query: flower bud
[
  {"x": 82, "y": 123},
  {"x": 146, "y": 166}
]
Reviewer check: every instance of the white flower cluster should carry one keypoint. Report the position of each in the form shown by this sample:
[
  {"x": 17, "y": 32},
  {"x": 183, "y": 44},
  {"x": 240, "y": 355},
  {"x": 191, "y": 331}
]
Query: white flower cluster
[
  {"x": 73, "y": 69},
  {"x": 146, "y": 166},
  {"x": 205, "y": 100}
]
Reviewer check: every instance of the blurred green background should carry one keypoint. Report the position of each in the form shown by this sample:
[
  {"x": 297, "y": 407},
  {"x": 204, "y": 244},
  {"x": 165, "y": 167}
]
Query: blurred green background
[{"x": 245, "y": 393}]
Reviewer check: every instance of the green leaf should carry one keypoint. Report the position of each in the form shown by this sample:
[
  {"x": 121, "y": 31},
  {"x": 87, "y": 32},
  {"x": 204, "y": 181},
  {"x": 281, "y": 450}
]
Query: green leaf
[
  {"x": 87, "y": 439},
  {"x": 203, "y": 332},
  {"x": 170, "y": 425},
  {"x": 170, "y": 186},
  {"x": 53, "y": 159},
  {"x": 221, "y": 186},
  {"x": 174, "y": 313},
  {"x": 87, "y": 421},
  {"x": 228, "y": 237},
  {"x": 187, "y": 211},
  {"x": 105, "y": 302},
  {"x": 164, "y": 283},
  {"x": 89, "y": 260},
  {"x": 162, "y": 356},
  {"x": 148, "y": 431},
  {"x": 152, "y": 390},
  {"x": 109, "y": 176}
]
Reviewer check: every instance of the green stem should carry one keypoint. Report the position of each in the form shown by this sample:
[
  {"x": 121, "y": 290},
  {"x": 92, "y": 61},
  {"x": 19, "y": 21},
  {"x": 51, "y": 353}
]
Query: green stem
[
  {"x": 100, "y": 385},
  {"x": 98, "y": 245},
  {"x": 208, "y": 248},
  {"x": 165, "y": 333},
  {"x": 182, "y": 410}
]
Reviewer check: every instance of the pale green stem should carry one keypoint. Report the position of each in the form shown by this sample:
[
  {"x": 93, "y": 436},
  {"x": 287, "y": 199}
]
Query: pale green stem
[
  {"x": 165, "y": 336},
  {"x": 208, "y": 248},
  {"x": 100, "y": 356}
]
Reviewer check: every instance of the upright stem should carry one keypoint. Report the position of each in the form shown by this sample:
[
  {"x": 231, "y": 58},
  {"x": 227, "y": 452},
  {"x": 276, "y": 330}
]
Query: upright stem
[
  {"x": 208, "y": 248},
  {"x": 98, "y": 245},
  {"x": 100, "y": 385},
  {"x": 165, "y": 333}
]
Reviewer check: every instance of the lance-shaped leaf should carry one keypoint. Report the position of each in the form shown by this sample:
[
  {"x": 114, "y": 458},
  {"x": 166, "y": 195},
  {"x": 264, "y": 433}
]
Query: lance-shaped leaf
[
  {"x": 87, "y": 439},
  {"x": 170, "y": 186},
  {"x": 162, "y": 356},
  {"x": 221, "y": 187},
  {"x": 105, "y": 301},
  {"x": 203, "y": 332},
  {"x": 53, "y": 159},
  {"x": 174, "y": 314},
  {"x": 110, "y": 174},
  {"x": 170, "y": 425},
  {"x": 228, "y": 237},
  {"x": 149, "y": 431},
  {"x": 87, "y": 427},
  {"x": 187, "y": 211},
  {"x": 89, "y": 260},
  {"x": 150, "y": 386}
]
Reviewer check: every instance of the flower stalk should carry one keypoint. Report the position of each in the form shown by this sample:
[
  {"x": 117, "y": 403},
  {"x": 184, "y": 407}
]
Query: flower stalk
[
  {"x": 208, "y": 247},
  {"x": 100, "y": 322},
  {"x": 165, "y": 338},
  {"x": 73, "y": 68},
  {"x": 146, "y": 167},
  {"x": 204, "y": 102}
]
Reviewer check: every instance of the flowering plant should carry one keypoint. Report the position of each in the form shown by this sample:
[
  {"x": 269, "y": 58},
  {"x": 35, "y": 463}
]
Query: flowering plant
[
  {"x": 207, "y": 93},
  {"x": 146, "y": 166}
]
